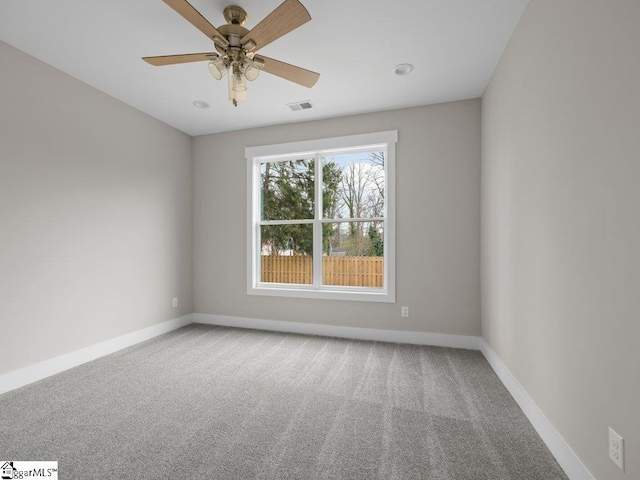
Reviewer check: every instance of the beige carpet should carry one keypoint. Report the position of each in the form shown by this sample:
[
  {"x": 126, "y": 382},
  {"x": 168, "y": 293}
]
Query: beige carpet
[{"x": 222, "y": 403}]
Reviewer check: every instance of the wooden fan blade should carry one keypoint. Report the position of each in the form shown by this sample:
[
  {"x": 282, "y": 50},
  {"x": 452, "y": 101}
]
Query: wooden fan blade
[
  {"x": 289, "y": 72},
  {"x": 195, "y": 18},
  {"x": 287, "y": 17},
  {"x": 175, "y": 59}
]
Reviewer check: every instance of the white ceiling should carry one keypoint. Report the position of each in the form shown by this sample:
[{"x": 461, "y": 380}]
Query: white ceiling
[{"x": 354, "y": 44}]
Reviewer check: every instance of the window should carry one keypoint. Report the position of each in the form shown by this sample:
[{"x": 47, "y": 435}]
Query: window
[{"x": 321, "y": 218}]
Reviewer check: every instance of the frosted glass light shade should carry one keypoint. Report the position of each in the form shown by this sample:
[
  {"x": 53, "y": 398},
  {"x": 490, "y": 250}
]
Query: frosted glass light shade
[
  {"x": 217, "y": 68},
  {"x": 237, "y": 86},
  {"x": 251, "y": 72},
  {"x": 239, "y": 83}
]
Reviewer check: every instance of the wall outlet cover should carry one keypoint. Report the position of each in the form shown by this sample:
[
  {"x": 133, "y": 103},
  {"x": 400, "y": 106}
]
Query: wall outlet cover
[{"x": 616, "y": 449}]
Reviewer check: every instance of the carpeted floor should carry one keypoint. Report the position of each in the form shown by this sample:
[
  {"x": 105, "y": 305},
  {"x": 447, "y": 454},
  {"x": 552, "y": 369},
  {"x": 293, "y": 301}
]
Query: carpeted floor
[{"x": 222, "y": 403}]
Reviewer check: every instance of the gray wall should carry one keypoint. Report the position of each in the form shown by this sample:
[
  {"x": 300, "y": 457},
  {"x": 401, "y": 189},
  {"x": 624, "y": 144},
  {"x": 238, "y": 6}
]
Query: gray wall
[
  {"x": 438, "y": 223},
  {"x": 561, "y": 220},
  {"x": 95, "y": 215}
]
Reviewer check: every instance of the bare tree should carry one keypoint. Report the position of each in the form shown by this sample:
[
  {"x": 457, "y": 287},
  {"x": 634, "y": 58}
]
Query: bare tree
[
  {"x": 376, "y": 196},
  {"x": 362, "y": 196}
]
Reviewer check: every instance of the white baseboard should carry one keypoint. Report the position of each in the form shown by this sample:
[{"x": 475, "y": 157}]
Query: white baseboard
[
  {"x": 395, "y": 336},
  {"x": 24, "y": 376},
  {"x": 33, "y": 373},
  {"x": 565, "y": 456}
]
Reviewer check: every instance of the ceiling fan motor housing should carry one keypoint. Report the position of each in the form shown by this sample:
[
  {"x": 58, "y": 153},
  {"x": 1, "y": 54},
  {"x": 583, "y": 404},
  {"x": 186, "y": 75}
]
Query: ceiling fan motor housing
[{"x": 233, "y": 33}]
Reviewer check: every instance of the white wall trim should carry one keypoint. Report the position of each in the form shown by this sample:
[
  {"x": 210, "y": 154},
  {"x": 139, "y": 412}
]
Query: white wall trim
[
  {"x": 566, "y": 457},
  {"x": 395, "y": 336},
  {"x": 321, "y": 144},
  {"x": 33, "y": 373}
]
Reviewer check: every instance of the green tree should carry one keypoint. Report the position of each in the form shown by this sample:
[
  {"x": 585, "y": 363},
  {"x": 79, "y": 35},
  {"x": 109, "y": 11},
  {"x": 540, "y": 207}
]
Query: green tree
[
  {"x": 377, "y": 242},
  {"x": 331, "y": 178},
  {"x": 288, "y": 193}
]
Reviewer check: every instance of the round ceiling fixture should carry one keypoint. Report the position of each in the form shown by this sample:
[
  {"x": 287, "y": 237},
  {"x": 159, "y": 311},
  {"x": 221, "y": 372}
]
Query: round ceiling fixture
[
  {"x": 403, "y": 69},
  {"x": 201, "y": 104}
]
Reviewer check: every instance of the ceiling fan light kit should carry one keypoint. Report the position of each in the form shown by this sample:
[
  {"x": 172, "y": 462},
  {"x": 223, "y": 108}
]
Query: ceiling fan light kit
[{"x": 236, "y": 46}]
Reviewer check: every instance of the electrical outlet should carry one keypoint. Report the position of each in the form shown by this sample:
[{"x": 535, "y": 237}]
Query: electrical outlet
[
  {"x": 616, "y": 449},
  {"x": 404, "y": 311},
  {"x": 175, "y": 302}
]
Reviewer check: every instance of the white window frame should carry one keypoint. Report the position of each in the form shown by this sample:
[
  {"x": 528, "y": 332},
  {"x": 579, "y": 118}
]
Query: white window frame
[{"x": 316, "y": 149}]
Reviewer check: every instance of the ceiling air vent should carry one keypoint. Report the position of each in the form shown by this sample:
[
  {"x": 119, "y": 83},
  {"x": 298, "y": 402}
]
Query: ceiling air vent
[{"x": 306, "y": 105}]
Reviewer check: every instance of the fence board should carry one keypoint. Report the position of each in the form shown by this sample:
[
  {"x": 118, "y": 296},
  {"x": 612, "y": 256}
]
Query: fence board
[{"x": 345, "y": 271}]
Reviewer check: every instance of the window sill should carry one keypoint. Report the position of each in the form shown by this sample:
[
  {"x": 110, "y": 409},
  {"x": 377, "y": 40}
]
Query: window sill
[{"x": 326, "y": 293}]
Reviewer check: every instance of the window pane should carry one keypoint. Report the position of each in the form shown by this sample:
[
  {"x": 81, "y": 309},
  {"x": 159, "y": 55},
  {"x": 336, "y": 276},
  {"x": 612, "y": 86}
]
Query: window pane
[
  {"x": 353, "y": 254},
  {"x": 287, "y": 190},
  {"x": 353, "y": 185},
  {"x": 287, "y": 254}
]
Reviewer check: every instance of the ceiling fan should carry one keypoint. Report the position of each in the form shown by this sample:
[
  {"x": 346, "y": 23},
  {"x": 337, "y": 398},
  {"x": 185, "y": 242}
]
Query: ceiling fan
[{"x": 236, "y": 46}]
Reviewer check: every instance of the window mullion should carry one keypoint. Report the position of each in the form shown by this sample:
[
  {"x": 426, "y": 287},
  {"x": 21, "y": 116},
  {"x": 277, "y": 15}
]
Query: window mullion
[
  {"x": 285, "y": 222},
  {"x": 348, "y": 220},
  {"x": 317, "y": 224}
]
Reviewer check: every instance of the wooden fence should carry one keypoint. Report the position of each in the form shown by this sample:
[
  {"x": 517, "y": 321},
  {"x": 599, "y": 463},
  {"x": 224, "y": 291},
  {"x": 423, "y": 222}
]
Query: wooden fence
[{"x": 347, "y": 271}]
